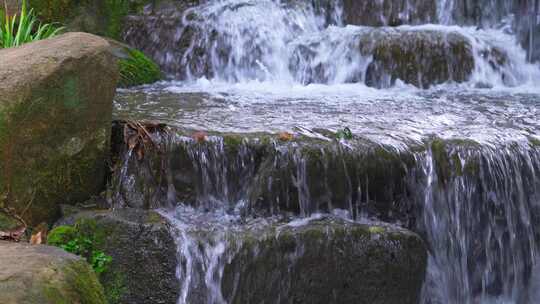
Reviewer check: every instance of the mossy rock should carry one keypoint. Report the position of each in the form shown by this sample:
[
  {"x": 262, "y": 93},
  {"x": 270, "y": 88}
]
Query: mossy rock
[
  {"x": 326, "y": 260},
  {"x": 46, "y": 275},
  {"x": 55, "y": 117},
  {"x": 135, "y": 67},
  {"x": 143, "y": 266},
  {"x": 419, "y": 57},
  {"x": 138, "y": 69}
]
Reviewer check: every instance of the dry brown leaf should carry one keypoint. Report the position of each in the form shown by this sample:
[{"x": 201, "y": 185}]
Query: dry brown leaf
[
  {"x": 36, "y": 238},
  {"x": 285, "y": 136},
  {"x": 200, "y": 136},
  {"x": 40, "y": 234}
]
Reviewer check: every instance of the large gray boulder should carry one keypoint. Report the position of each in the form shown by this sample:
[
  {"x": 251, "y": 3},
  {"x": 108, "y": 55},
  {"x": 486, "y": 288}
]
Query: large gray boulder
[
  {"x": 55, "y": 117},
  {"x": 39, "y": 274}
]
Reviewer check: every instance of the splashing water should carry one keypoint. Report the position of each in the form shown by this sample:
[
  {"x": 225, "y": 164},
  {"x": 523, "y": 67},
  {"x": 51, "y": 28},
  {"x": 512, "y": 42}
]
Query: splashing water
[
  {"x": 239, "y": 41},
  {"x": 269, "y": 66}
]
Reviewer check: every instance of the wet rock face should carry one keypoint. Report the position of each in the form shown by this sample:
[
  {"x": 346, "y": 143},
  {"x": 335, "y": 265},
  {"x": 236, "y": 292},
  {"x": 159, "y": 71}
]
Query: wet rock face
[
  {"x": 327, "y": 262},
  {"x": 143, "y": 254},
  {"x": 39, "y": 274},
  {"x": 55, "y": 115},
  {"x": 270, "y": 177},
  {"x": 389, "y": 12},
  {"x": 418, "y": 57},
  {"x": 159, "y": 31}
]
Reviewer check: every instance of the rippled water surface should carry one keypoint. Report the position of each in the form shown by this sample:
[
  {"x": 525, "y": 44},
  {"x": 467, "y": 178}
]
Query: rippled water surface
[{"x": 388, "y": 116}]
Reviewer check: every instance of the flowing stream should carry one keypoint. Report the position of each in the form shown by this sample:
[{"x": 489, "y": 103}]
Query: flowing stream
[{"x": 448, "y": 89}]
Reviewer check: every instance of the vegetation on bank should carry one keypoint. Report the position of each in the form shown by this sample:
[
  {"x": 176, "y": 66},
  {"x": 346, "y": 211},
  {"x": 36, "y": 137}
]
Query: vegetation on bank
[
  {"x": 24, "y": 27},
  {"x": 138, "y": 69},
  {"x": 81, "y": 240},
  {"x": 101, "y": 17},
  {"x": 87, "y": 239}
]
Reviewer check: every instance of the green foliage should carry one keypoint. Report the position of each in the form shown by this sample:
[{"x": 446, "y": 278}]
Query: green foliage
[
  {"x": 138, "y": 69},
  {"x": 61, "y": 235},
  {"x": 344, "y": 133},
  {"x": 99, "y": 261},
  {"x": 80, "y": 241},
  {"x": 116, "y": 12},
  {"x": 23, "y": 28},
  {"x": 54, "y": 10}
]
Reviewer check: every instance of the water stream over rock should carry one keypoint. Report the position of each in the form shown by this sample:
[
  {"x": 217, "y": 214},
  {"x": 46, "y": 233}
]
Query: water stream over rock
[{"x": 441, "y": 98}]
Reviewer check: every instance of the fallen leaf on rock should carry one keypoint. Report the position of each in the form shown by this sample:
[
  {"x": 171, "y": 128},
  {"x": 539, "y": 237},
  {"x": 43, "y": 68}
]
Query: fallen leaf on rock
[
  {"x": 200, "y": 136},
  {"x": 285, "y": 136},
  {"x": 37, "y": 238},
  {"x": 40, "y": 234}
]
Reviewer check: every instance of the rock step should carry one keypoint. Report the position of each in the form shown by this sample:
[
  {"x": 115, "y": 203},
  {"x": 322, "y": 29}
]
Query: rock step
[
  {"x": 268, "y": 176},
  {"x": 323, "y": 259},
  {"x": 143, "y": 253}
]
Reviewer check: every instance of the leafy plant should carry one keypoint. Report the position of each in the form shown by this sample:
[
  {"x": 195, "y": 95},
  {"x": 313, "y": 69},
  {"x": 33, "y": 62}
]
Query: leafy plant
[
  {"x": 99, "y": 261},
  {"x": 138, "y": 69},
  {"x": 344, "y": 133},
  {"x": 77, "y": 241},
  {"x": 23, "y": 28}
]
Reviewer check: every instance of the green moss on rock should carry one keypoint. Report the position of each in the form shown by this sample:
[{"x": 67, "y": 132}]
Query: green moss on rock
[
  {"x": 138, "y": 69},
  {"x": 39, "y": 274},
  {"x": 55, "y": 117},
  {"x": 326, "y": 261},
  {"x": 143, "y": 253},
  {"x": 61, "y": 235},
  {"x": 80, "y": 282}
]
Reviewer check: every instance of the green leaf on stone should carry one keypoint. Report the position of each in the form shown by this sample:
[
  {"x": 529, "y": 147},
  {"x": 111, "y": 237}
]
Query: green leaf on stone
[{"x": 344, "y": 133}]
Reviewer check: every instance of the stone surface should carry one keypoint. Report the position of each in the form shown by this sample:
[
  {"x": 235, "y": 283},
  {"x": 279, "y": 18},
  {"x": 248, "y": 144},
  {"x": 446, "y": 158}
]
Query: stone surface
[
  {"x": 419, "y": 57},
  {"x": 327, "y": 261},
  {"x": 273, "y": 177},
  {"x": 143, "y": 254},
  {"x": 55, "y": 115},
  {"x": 422, "y": 56},
  {"x": 45, "y": 275}
]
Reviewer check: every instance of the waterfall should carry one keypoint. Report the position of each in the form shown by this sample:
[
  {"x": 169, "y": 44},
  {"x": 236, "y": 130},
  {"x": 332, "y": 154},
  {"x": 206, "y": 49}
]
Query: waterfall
[
  {"x": 290, "y": 42},
  {"x": 479, "y": 224},
  {"x": 441, "y": 99}
]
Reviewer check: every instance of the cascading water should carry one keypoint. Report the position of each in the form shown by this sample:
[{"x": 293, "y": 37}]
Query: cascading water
[
  {"x": 291, "y": 42},
  {"x": 444, "y": 108}
]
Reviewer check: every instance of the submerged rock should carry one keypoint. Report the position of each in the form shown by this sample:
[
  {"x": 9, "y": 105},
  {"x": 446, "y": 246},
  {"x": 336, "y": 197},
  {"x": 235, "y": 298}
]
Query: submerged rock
[
  {"x": 55, "y": 115},
  {"x": 143, "y": 254},
  {"x": 38, "y": 274}
]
